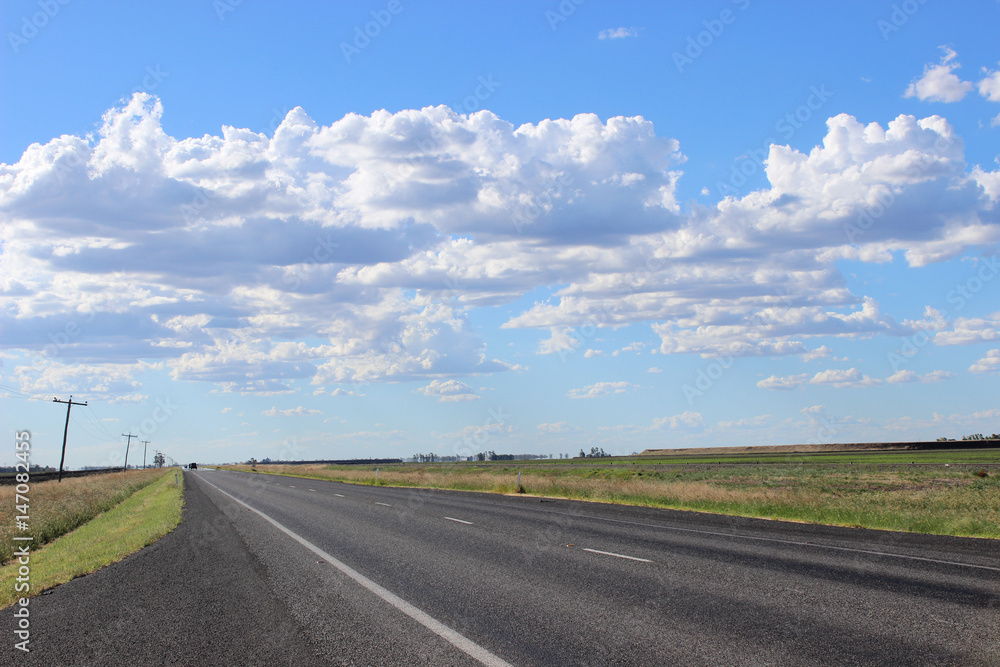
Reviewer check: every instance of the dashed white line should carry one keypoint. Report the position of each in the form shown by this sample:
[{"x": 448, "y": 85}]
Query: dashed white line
[
  {"x": 339, "y": 495},
  {"x": 312, "y": 489},
  {"x": 467, "y": 523},
  {"x": 383, "y": 504},
  {"x": 457, "y": 640},
  {"x": 609, "y": 553},
  {"x": 291, "y": 486}
]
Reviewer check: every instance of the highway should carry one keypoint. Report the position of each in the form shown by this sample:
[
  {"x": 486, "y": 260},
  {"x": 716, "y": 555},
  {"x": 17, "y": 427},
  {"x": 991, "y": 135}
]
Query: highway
[
  {"x": 280, "y": 570},
  {"x": 541, "y": 582}
]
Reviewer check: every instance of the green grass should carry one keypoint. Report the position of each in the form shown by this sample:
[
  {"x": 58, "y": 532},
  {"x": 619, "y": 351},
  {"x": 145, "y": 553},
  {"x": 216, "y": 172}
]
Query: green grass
[
  {"x": 56, "y": 508},
  {"x": 141, "y": 519}
]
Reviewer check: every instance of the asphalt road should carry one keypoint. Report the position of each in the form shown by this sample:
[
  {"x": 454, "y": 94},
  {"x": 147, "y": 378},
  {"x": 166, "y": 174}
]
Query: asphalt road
[{"x": 278, "y": 570}]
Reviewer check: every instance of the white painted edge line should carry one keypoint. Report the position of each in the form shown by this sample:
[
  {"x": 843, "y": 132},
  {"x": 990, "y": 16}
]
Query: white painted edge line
[
  {"x": 467, "y": 523},
  {"x": 457, "y": 640},
  {"x": 339, "y": 495},
  {"x": 609, "y": 553},
  {"x": 383, "y": 504}
]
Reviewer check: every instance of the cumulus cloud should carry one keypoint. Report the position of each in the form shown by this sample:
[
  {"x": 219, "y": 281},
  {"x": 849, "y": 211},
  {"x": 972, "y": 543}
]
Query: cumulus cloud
[
  {"x": 911, "y": 376},
  {"x": 687, "y": 420},
  {"x": 355, "y": 252},
  {"x": 617, "y": 33},
  {"x": 290, "y": 412},
  {"x": 559, "y": 428},
  {"x": 838, "y": 378},
  {"x": 449, "y": 391},
  {"x": 599, "y": 389},
  {"x": 939, "y": 83},
  {"x": 989, "y": 85},
  {"x": 988, "y": 364}
]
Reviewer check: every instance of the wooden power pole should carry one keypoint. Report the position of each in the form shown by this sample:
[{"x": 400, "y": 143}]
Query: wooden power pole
[
  {"x": 69, "y": 406},
  {"x": 130, "y": 436}
]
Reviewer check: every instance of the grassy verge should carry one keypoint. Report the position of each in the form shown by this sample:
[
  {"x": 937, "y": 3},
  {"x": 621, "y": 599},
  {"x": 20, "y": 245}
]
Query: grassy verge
[
  {"x": 141, "y": 519},
  {"x": 921, "y": 498},
  {"x": 56, "y": 508}
]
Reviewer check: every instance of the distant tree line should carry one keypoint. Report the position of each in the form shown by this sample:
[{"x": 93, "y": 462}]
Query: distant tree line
[
  {"x": 973, "y": 437},
  {"x": 595, "y": 453}
]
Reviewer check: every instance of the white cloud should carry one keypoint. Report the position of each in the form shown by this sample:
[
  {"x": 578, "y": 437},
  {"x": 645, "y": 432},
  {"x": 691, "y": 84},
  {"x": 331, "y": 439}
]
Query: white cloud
[
  {"x": 939, "y": 83},
  {"x": 373, "y": 238},
  {"x": 989, "y": 85},
  {"x": 290, "y": 412},
  {"x": 617, "y": 33},
  {"x": 559, "y": 428},
  {"x": 911, "y": 376},
  {"x": 688, "y": 420},
  {"x": 988, "y": 364},
  {"x": 783, "y": 383},
  {"x": 840, "y": 379},
  {"x": 449, "y": 391},
  {"x": 601, "y": 389},
  {"x": 655, "y": 369}
]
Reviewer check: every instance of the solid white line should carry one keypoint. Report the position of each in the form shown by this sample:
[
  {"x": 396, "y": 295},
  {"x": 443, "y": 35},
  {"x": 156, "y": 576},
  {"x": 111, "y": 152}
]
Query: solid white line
[
  {"x": 608, "y": 553},
  {"x": 383, "y": 504},
  {"x": 457, "y": 640},
  {"x": 467, "y": 523}
]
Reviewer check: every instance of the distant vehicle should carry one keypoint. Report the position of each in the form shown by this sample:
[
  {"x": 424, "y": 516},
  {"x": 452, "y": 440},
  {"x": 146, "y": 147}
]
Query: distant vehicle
[{"x": 192, "y": 466}]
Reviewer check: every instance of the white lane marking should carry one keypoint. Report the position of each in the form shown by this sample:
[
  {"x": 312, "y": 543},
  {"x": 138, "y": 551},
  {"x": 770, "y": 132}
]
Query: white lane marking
[
  {"x": 457, "y": 640},
  {"x": 467, "y": 523},
  {"x": 383, "y": 504},
  {"x": 291, "y": 486},
  {"x": 339, "y": 495},
  {"x": 312, "y": 489},
  {"x": 608, "y": 553},
  {"x": 776, "y": 540}
]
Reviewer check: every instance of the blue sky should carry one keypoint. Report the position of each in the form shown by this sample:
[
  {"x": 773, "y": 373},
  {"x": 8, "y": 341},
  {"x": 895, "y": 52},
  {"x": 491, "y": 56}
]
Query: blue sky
[{"x": 369, "y": 229}]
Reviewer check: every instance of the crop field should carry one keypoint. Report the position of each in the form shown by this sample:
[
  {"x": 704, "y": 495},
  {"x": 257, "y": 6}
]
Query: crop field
[{"x": 947, "y": 493}]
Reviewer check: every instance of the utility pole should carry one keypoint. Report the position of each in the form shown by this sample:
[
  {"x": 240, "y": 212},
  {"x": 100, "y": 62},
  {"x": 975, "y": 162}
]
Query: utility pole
[
  {"x": 130, "y": 436},
  {"x": 69, "y": 406},
  {"x": 145, "y": 443}
]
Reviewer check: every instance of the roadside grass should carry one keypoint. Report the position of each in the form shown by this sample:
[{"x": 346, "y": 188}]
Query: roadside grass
[
  {"x": 923, "y": 499},
  {"x": 139, "y": 520},
  {"x": 56, "y": 508}
]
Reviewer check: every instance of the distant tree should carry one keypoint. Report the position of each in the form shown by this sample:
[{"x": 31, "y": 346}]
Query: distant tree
[{"x": 159, "y": 460}]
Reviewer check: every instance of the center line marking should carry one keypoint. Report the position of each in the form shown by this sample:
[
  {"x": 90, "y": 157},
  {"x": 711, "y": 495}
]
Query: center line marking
[
  {"x": 467, "y": 523},
  {"x": 608, "y": 553},
  {"x": 383, "y": 504},
  {"x": 457, "y": 640}
]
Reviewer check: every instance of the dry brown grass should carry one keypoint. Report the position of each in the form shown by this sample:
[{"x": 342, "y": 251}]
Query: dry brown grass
[{"x": 56, "y": 508}]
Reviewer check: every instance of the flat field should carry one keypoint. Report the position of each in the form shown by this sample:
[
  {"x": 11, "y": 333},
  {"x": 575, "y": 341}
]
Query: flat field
[{"x": 942, "y": 492}]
